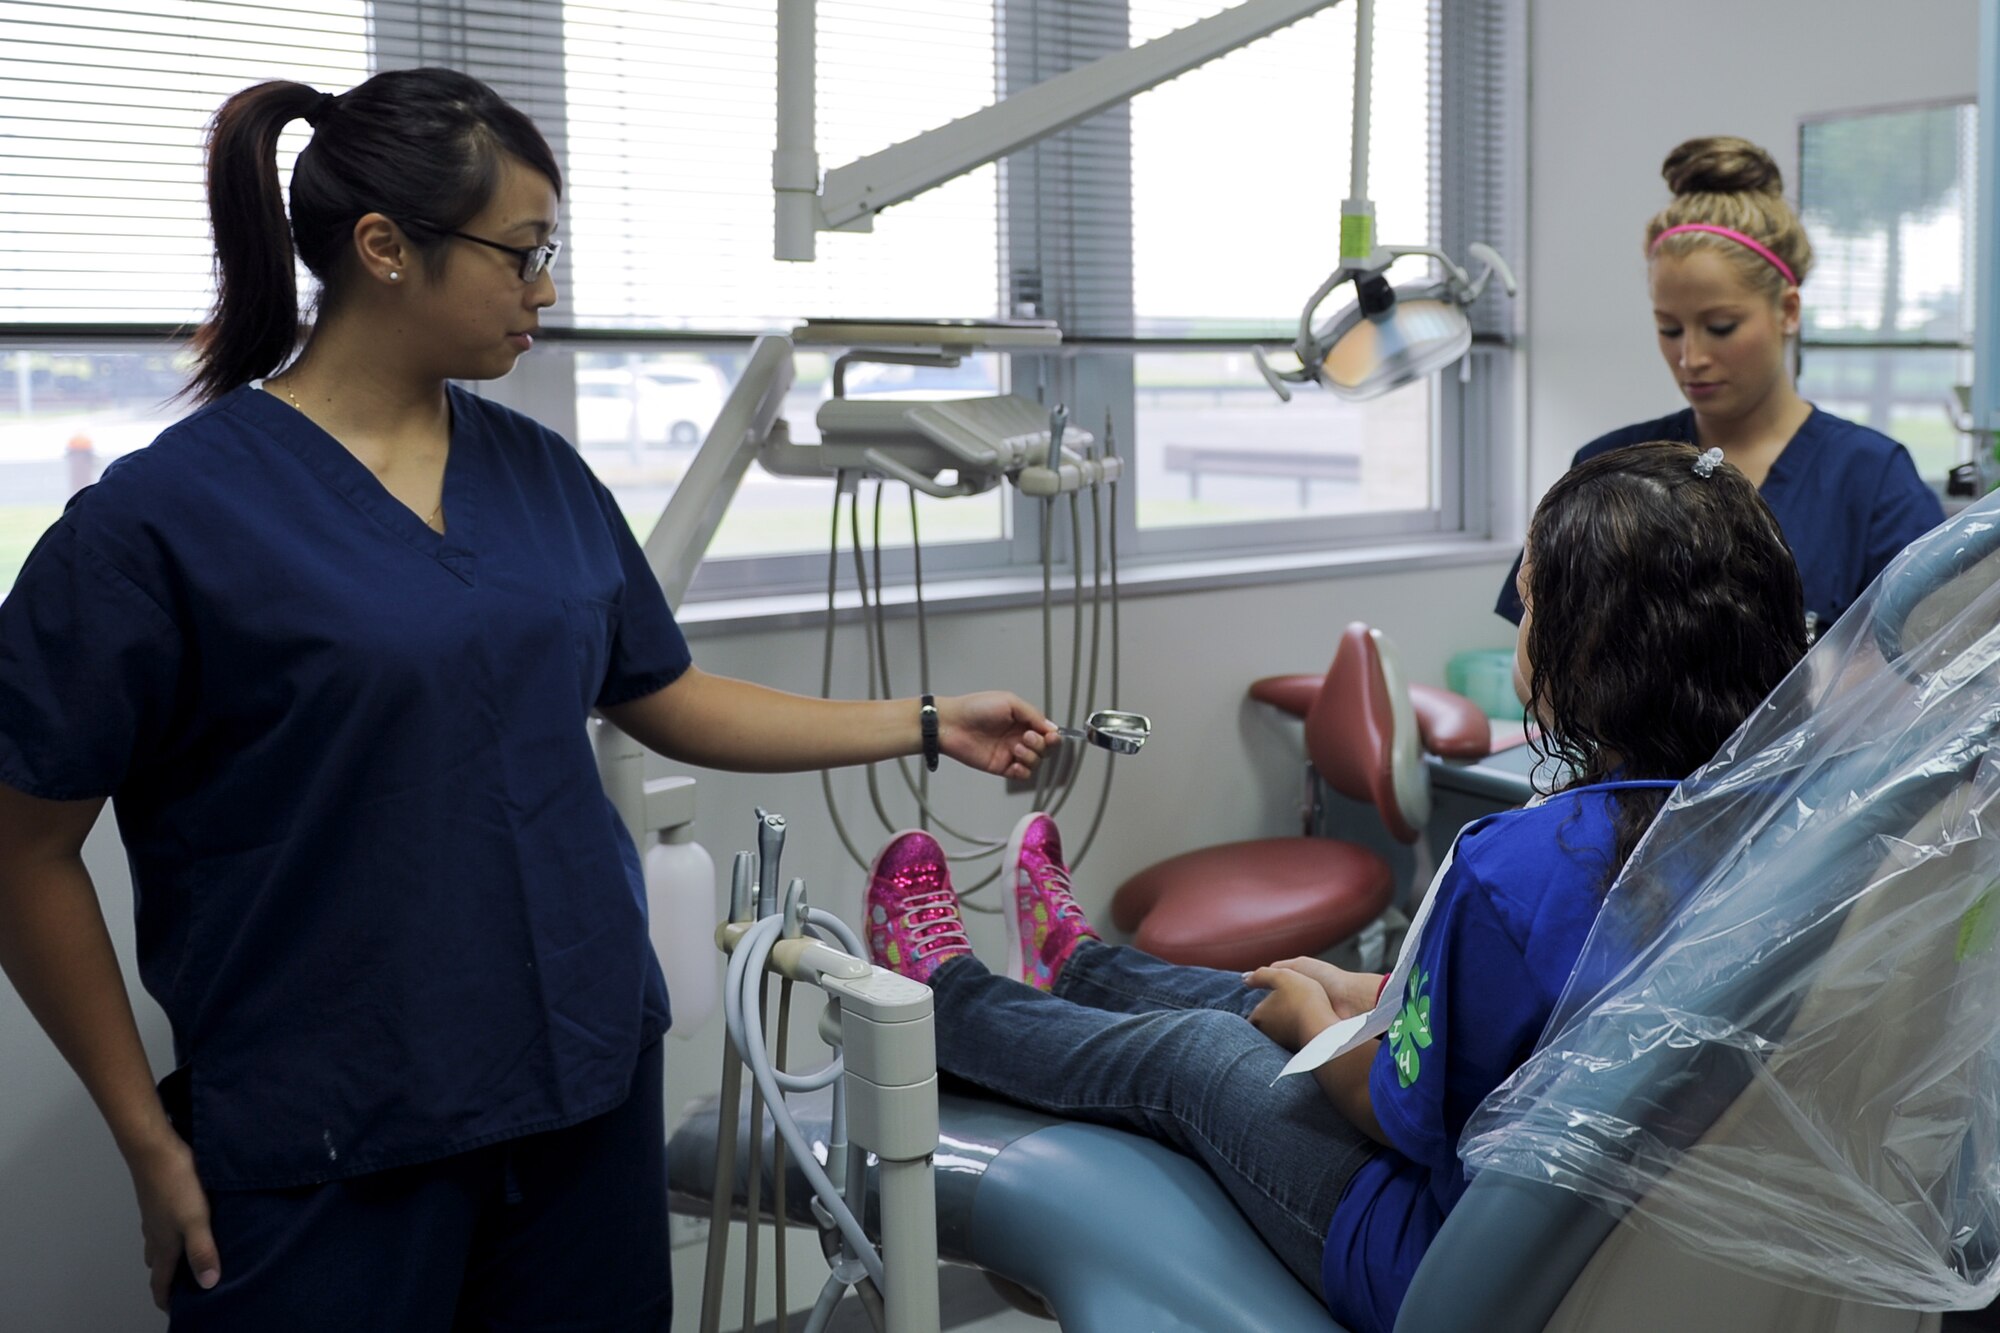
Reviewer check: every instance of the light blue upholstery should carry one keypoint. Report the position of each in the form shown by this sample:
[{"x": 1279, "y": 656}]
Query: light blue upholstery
[
  {"x": 1113, "y": 1231},
  {"x": 1118, "y": 1233}
]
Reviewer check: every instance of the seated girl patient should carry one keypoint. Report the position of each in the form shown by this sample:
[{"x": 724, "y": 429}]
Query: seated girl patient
[{"x": 1663, "y": 605}]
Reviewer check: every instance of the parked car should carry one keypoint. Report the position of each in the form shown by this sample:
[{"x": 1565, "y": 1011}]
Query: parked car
[{"x": 670, "y": 403}]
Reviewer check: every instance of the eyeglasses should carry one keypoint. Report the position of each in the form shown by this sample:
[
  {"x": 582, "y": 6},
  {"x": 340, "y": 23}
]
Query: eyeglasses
[{"x": 535, "y": 259}]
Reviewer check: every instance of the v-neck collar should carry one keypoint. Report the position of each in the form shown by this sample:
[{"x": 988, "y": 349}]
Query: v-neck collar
[
  {"x": 1794, "y": 457},
  {"x": 350, "y": 478}
]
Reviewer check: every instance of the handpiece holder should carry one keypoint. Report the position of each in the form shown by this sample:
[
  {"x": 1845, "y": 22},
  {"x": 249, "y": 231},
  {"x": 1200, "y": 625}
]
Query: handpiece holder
[
  {"x": 881, "y": 1025},
  {"x": 979, "y": 441}
]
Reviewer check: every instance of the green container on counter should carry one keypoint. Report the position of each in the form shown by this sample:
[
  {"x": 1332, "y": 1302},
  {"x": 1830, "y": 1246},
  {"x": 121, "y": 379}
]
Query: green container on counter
[{"x": 1485, "y": 676}]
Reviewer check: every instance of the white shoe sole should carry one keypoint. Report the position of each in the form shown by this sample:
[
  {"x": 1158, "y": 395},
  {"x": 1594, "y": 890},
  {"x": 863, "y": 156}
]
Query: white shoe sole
[{"x": 1017, "y": 951}]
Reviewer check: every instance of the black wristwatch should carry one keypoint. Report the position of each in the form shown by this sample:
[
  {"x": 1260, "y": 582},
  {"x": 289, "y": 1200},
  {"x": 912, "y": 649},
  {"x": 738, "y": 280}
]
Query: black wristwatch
[{"x": 929, "y": 717}]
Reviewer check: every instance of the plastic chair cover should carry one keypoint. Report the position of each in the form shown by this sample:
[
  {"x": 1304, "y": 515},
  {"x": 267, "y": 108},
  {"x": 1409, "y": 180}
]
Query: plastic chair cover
[{"x": 1779, "y": 1045}]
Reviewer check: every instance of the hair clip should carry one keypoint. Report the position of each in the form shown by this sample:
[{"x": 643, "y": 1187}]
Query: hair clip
[{"x": 1705, "y": 465}]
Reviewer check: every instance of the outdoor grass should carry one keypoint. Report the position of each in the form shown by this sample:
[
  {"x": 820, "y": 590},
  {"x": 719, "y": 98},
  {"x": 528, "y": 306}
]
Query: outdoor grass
[{"x": 21, "y": 526}]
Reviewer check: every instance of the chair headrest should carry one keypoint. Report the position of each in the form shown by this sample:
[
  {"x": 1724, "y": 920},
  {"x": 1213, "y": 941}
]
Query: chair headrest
[{"x": 1361, "y": 734}]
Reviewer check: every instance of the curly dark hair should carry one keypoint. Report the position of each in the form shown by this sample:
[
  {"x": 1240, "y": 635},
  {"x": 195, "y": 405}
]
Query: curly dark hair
[{"x": 1663, "y": 607}]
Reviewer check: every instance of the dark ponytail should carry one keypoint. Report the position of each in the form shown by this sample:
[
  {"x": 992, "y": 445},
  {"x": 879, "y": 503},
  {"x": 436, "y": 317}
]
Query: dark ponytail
[
  {"x": 417, "y": 145},
  {"x": 256, "y": 318}
]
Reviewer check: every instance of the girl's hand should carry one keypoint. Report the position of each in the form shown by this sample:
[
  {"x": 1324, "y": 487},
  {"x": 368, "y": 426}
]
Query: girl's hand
[
  {"x": 173, "y": 1216},
  {"x": 1349, "y": 993},
  {"x": 1295, "y": 1011},
  {"x": 994, "y": 732}
]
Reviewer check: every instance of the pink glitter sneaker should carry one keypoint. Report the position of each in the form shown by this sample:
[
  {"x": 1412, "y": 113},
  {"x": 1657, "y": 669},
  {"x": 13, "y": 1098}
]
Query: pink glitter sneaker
[
  {"x": 1046, "y": 924},
  {"x": 913, "y": 922}
]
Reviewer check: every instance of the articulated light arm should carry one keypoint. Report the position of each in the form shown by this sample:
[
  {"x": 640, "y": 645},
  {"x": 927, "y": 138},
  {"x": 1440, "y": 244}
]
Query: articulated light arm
[{"x": 853, "y": 194}]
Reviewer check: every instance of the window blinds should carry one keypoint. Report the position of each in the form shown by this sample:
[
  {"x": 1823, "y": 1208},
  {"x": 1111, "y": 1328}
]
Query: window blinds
[
  {"x": 102, "y": 113},
  {"x": 1207, "y": 207},
  {"x": 663, "y": 111}
]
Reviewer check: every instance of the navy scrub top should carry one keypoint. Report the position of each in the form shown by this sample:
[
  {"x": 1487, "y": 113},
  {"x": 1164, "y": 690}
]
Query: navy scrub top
[
  {"x": 381, "y": 894},
  {"x": 1847, "y": 498}
]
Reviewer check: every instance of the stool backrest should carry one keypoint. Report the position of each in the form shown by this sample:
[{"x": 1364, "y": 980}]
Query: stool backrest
[{"x": 1361, "y": 734}]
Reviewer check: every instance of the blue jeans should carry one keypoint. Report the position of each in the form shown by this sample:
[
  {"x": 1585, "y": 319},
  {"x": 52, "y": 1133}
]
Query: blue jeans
[{"x": 1129, "y": 1041}]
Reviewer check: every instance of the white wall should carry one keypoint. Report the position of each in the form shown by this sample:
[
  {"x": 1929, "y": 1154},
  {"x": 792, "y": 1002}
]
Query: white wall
[
  {"x": 1614, "y": 86},
  {"x": 69, "y": 1231}
]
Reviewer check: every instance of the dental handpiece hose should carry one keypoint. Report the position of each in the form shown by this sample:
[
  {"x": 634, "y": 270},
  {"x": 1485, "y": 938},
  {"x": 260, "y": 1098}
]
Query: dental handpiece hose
[
  {"x": 794, "y": 911},
  {"x": 742, "y": 900},
  {"x": 770, "y": 847},
  {"x": 759, "y": 947}
]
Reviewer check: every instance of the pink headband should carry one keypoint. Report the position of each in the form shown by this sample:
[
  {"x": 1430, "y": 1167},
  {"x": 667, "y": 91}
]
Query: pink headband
[{"x": 1762, "y": 251}]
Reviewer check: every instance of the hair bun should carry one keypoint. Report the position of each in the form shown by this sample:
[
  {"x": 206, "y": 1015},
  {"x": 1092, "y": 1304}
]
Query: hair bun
[{"x": 1721, "y": 164}]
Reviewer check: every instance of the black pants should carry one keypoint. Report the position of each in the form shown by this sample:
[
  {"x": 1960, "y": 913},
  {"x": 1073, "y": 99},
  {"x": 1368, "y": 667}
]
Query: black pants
[{"x": 562, "y": 1231}]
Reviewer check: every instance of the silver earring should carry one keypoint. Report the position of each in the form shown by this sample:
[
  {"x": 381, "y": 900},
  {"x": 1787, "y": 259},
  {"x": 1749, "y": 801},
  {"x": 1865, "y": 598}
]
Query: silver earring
[{"x": 394, "y": 276}]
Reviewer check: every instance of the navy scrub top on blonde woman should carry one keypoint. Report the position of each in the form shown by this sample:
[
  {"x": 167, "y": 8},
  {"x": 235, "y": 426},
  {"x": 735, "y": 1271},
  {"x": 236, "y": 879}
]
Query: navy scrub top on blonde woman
[
  {"x": 381, "y": 894},
  {"x": 1847, "y": 498}
]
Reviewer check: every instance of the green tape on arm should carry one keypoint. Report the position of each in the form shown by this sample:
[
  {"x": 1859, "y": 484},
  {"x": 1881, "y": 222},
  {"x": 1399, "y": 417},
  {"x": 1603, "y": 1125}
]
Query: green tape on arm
[{"x": 1357, "y": 236}]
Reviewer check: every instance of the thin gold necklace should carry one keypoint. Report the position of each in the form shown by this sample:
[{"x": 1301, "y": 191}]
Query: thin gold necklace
[{"x": 431, "y": 521}]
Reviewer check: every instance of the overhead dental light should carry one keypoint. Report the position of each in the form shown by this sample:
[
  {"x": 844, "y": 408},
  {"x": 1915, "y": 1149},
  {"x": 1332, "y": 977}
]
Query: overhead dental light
[{"x": 1390, "y": 335}]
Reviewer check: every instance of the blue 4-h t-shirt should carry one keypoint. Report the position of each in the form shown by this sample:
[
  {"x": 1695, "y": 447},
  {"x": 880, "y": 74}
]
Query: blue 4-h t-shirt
[
  {"x": 1847, "y": 498},
  {"x": 1512, "y": 913}
]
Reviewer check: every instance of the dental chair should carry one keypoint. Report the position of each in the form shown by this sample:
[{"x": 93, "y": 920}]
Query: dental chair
[
  {"x": 1872, "y": 922},
  {"x": 1110, "y": 1232},
  {"x": 1244, "y": 904},
  {"x": 1092, "y": 1227},
  {"x": 1534, "y": 1257},
  {"x": 1818, "y": 1106}
]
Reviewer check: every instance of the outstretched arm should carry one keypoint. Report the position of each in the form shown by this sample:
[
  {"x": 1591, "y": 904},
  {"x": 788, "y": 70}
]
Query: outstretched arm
[
  {"x": 56, "y": 951},
  {"x": 718, "y": 722}
]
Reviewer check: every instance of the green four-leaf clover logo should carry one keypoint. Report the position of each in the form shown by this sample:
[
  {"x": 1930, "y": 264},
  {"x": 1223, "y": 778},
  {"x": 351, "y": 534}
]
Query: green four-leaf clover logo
[{"x": 1411, "y": 1030}]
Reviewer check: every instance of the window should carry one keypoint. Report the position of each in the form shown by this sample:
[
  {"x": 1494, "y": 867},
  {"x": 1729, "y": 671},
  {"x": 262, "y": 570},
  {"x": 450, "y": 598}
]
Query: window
[
  {"x": 102, "y": 218},
  {"x": 1887, "y": 312},
  {"x": 64, "y": 415},
  {"x": 1212, "y": 443},
  {"x": 1163, "y": 234},
  {"x": 1215, "y": 446},
  {"x": 671, "y": 118},
  {"x": 1166, "y": 235},
  {"x": 641, "y": 416}
]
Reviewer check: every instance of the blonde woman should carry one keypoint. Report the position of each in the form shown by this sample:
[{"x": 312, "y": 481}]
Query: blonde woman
[{"x": 1725, "y": 261}]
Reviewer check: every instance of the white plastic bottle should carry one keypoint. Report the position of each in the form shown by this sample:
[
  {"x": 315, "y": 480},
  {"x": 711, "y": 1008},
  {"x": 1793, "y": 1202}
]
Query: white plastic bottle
[{"x": 682, "y": 910}]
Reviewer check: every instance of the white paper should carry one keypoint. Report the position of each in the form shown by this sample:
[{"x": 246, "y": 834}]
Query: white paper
[{"x": 1349, "y": 1033}]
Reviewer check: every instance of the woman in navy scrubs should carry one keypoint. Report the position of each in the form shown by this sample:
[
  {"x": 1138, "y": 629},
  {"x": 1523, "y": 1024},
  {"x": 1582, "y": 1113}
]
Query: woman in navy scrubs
[
  {"x": 1725, "y": 262},
  {"x": 331, "y": 642}
]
